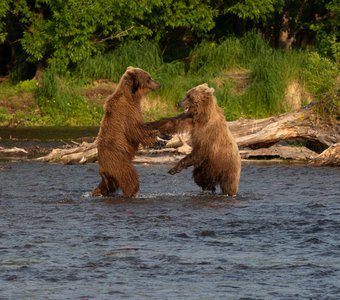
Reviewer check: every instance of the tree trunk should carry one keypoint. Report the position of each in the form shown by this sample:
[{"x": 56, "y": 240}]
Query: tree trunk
[
  {"x": 290, "y": 25},
  {"x": 302, "y": 124}
]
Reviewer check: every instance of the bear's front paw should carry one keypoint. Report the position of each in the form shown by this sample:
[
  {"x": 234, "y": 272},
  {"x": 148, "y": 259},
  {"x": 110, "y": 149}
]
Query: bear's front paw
[
  {"x": 151, "y": 140},
  {"x": 173, "y": 171}
]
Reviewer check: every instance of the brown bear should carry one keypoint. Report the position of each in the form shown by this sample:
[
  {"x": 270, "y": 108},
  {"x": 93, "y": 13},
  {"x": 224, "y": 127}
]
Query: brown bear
[
  {"x": 122, "y": 130},
  {"x": 215, "y": 155}
]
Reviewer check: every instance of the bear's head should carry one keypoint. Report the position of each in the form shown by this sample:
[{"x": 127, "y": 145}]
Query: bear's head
[
  {"x": 199, "y": 100},
  {"x": 139, "y": 81}
]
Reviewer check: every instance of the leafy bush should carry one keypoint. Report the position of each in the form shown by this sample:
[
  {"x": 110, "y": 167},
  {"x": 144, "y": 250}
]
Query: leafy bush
[
  {"x": 320, "y": 75},
  {"x": 5, "y": 117},
  {"x": 9, "y": 89}
]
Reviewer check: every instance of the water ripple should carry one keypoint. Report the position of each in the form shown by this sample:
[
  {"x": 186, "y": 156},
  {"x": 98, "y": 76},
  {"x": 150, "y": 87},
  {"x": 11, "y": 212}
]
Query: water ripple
[{"x": 278, "y": 239}]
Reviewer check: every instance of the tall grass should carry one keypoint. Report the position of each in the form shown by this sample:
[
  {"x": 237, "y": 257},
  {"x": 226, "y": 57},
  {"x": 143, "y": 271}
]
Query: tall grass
[
  {"x": 210, "y": 58},
  {"x": 60, "y": 101},
  {"x": 145, "y": 55},
  {"x": 271, "y": 74},
  {"x": 269, "y": 70}
]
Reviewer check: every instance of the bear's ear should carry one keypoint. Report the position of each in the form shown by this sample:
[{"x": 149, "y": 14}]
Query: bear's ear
[
  {"x": 211, "y": 90},
  {"x": 134, "y": 82},
  {"x": 208, "y": 89},
  {"x": 129, "y": 68}
]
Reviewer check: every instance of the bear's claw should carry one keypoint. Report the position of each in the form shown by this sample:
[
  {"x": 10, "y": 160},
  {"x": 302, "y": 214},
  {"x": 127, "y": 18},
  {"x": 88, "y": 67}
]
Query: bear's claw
[{"x": 172, "y": 171}]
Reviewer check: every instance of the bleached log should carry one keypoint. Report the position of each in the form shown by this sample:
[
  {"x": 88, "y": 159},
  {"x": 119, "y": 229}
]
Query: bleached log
[
  {"x": 301, "y": 124},
  {"x": 277, "y": 151},
  {"x": 86, "y": 152},
  {"x": 329, "y": 157},
  {"x": 12, "y": 152}
]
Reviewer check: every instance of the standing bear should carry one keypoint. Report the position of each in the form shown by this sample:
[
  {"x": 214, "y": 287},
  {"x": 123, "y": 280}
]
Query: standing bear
[
  {"x": 215, "y": 155},
  {"x": 122, "y": 130}
]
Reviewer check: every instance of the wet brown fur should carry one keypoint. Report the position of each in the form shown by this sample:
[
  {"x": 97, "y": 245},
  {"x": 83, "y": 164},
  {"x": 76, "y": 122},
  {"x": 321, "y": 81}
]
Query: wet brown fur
[
  {"x": 215, "y": 155},
  {"x": 121, "y": 131}
]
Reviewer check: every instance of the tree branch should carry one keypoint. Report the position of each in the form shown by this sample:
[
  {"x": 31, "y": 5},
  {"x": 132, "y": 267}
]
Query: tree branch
[{"x": 116, "y": 36}]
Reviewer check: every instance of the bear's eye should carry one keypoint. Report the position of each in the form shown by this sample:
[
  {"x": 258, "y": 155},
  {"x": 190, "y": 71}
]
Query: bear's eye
[{"x": 190, "y": 98}]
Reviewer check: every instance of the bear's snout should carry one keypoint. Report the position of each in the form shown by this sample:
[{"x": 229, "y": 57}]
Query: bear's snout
[
  {"x": 154, "y": 85},
  {"x": 184, "y": 104}
]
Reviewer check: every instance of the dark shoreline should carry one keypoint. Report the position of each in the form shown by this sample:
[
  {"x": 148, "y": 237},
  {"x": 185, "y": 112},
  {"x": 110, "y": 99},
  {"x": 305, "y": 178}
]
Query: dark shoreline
[{"x": 47, "y": 133}]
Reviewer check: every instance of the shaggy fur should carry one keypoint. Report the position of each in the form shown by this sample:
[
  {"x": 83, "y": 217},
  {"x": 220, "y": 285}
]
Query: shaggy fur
[
  {"x": 121, "y": 131},
  {"x": 215, "y": 155}
]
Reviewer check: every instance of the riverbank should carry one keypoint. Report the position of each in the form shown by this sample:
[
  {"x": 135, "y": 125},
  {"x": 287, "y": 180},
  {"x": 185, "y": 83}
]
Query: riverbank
[{"x": 25, "y": 143}]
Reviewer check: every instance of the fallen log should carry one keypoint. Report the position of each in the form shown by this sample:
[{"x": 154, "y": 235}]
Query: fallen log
[
  {"x": 13, "y": 153},
  {"x": 282, "y": 152},
  {"x": 258, "y": 135},
  {"x": 302, "y": 124},
  {"x": 83, "y": 153},
  {"x": 329, "y": 157}
]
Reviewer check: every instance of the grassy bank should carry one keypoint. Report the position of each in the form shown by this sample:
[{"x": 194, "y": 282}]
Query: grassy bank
[{"x": 250, "y": 79}]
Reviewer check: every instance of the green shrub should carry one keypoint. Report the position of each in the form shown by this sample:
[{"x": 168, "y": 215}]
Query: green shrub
[
  {"x": 8, "y": 89},
  {"x": 5, "y": 117},
  {"x": 26, "y": 86},
  {"x": 319, "y": 73},
  {"x": 320, "y": 76}
]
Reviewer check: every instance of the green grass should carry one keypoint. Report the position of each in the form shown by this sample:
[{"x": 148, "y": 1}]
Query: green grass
[
  {"x": 145, "y": 55},
  {"x": 8, "y": 89},
  {"x": 61, "y": 102},
  {"x": 269, "y": 71}
]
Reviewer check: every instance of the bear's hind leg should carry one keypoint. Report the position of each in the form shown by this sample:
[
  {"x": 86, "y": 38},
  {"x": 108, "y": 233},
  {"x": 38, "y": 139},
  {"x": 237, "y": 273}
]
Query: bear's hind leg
[
  {"x": 112, "y": 185},
  {"x": 128, "y": 181},
  {"x": 229, "y": 187},
  {"x": 107, "y": 186},
  {"x": 202, "y": 180}
]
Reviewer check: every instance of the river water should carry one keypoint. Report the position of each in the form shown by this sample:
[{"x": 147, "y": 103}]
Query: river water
[{"x": 278, "y": 239}]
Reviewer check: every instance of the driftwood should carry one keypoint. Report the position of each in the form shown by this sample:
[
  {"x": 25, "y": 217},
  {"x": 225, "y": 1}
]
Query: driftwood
[
  {"x": 84, "y": 153},
  {"x": 12, "y": 152},
  {"x": 278, "y": 151},
  {"x": 302, "y": 124},
  {"x": 329, "y": 157},
  {"x": 256, "y": 139}
]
